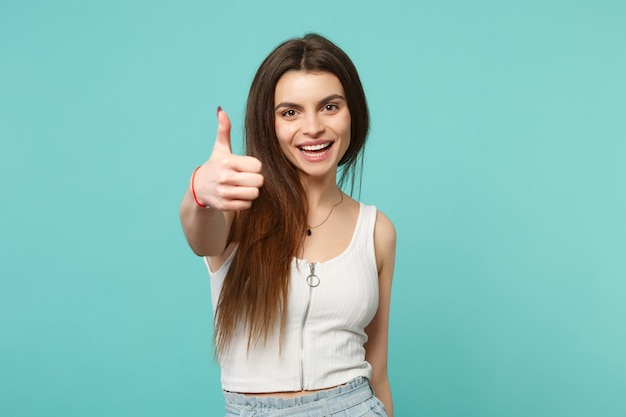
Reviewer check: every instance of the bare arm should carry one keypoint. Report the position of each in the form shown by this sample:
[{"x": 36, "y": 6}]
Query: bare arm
[
  {"x": 376, "y": 347},
  {"x": 206, "y": 229},
  {"x": 226, "y": 183}
]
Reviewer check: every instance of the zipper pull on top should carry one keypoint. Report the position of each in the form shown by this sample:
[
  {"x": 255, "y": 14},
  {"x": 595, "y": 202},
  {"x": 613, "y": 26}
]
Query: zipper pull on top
[{"x": 312, "y": 280}]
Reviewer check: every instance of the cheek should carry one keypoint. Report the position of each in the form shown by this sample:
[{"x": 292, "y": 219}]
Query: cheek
[
  {"x": 348, "y": 124},
  {"x": 284, "y": 133},
  {"x": 343, "y": 126},
  {"x": 346, "y": 133}
]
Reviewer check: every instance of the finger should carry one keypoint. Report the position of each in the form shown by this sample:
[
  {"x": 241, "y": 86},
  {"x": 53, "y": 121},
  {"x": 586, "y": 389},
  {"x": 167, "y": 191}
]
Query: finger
[
  {"x": 245, "y": 164},
  {"x": 230, "y": 194},
  {"x": 222, "y": 141},
  {"x": 244, "y": 179},
  {"x": 236, "y": 205}
]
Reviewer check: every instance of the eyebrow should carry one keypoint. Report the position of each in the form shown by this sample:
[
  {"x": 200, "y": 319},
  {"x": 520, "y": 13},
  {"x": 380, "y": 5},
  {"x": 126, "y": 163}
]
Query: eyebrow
[{"x": 319, "y": 103}]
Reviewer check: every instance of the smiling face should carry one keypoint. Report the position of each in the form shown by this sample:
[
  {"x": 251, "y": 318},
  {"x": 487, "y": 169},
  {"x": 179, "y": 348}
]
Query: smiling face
[{"x": 312, "y": 121}]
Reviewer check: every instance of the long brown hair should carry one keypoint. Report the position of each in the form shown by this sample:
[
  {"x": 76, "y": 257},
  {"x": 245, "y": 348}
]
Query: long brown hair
[{"x": 270, "y": 233}]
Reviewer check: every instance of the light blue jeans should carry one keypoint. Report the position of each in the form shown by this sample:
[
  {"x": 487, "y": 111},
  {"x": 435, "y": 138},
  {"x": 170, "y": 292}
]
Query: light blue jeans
[{"x": 354, "y": 399}]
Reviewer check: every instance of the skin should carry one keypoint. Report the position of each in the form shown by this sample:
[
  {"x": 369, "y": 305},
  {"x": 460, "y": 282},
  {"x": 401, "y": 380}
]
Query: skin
[{"x": 310, "y": 110}]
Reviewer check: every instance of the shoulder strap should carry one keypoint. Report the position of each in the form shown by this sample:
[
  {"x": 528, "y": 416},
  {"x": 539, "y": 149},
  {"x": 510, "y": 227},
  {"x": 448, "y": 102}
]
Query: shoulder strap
[{"x": 365, "y": 228}]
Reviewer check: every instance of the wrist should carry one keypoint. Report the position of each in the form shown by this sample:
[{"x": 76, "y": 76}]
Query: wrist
[{"x": 193, "y": 190}]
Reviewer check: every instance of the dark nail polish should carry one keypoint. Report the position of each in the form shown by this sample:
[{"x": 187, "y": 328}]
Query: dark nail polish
[{"x": 219, "y": 109}]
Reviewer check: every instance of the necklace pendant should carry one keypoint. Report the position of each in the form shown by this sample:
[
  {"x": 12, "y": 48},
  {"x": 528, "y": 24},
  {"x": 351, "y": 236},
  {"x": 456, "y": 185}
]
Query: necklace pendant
[{"x": 308, "y": 229}]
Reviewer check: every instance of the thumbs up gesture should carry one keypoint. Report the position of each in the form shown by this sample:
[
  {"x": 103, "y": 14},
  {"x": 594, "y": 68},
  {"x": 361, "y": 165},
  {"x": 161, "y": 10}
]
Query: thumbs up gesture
[{"x": 227, "y": 182}]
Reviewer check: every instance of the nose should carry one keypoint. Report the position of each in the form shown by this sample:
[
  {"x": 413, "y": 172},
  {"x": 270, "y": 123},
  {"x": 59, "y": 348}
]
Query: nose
[{"x": 312, "y": 125}]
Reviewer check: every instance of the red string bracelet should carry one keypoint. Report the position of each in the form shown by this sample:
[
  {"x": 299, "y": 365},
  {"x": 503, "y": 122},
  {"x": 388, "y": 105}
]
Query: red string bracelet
[{"x": 193, "y": 190}]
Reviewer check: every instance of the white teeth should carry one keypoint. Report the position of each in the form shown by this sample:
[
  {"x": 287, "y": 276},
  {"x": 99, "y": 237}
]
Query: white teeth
[{"x": 312, "y": 148}]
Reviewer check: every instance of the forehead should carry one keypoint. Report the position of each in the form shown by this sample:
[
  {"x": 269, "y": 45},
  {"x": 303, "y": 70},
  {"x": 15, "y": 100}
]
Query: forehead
[{"x": 302, "y": 86}]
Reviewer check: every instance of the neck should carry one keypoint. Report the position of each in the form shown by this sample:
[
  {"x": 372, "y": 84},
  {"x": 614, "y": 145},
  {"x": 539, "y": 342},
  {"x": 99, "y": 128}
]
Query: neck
[
  {"x": 327, "y": 200},
  {"x": 322, "y": 197},
  {"x": 320, "y": 192}
]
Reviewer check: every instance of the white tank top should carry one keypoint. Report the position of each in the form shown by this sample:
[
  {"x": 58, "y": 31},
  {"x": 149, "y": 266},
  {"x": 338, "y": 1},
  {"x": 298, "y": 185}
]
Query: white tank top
[{"x": 323, "y": 344}]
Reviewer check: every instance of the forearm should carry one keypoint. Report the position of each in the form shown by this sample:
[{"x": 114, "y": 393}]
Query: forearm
[
  {"x": 382, "y": 390},
  {"x": 206, "y": 229}
]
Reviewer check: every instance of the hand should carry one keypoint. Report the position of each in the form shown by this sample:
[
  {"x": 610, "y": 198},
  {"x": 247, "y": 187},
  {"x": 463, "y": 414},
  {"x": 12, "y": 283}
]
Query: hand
[{"x": 226, "y": 181}]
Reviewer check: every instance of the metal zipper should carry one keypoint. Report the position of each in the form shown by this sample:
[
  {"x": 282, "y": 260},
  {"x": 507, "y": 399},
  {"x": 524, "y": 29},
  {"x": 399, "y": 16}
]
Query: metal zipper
[{"x": 312, "y": 281}]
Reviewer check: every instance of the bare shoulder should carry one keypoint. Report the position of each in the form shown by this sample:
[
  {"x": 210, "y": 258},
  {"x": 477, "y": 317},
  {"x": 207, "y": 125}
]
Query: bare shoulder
[
  {"x": 384, "y": 241},
  {"x": 384, "y": 228}
]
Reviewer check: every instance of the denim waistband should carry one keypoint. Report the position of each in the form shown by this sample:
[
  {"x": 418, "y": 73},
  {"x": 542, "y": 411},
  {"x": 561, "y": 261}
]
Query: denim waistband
[{"x": 335, "y": 399}]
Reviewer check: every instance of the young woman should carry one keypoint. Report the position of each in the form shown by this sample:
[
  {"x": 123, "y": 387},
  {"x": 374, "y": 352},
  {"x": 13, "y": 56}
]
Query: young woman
[{"x": 300, "y": 272}]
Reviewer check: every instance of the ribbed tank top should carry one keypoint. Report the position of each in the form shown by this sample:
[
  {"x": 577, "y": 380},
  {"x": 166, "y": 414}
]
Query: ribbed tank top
[{"x": 323, "y": 344}]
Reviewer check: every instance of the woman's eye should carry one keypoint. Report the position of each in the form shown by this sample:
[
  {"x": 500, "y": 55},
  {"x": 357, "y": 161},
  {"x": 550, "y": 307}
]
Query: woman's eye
[
  {"x": 331, "y": 107},
  {"x": 289, "y": 113}
]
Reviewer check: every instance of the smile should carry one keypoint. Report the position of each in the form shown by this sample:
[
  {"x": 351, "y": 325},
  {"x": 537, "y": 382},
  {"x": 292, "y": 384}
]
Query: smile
[{"x": 316, "y": 149}]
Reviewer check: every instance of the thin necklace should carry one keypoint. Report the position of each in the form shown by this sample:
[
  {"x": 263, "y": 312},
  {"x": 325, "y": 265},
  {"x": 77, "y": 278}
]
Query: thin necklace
[{"x": 310, "y": 228}]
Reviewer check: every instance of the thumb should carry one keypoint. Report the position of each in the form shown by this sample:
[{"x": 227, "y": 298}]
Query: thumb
[{"x": 222, "y": 141}]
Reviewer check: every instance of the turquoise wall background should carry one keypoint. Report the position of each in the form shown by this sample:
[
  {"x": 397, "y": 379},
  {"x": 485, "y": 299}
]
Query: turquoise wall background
[{"x": 498, "y": 148}]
